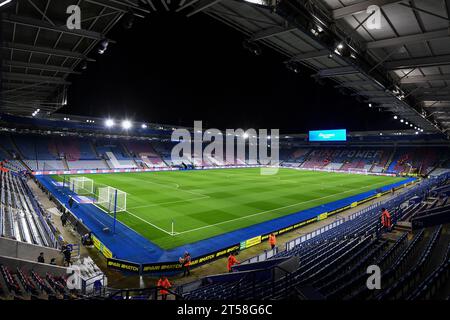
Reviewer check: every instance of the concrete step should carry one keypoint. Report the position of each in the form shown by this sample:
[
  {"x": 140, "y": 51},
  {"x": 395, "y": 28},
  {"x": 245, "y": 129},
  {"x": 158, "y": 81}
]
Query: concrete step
[
  {"x": 404, "y": 226},
  {"x": 392, "y": 236}
]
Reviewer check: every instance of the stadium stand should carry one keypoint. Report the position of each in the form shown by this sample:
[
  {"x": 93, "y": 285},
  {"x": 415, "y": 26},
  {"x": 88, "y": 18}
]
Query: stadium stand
[
  {"x": 18, "y": 284},
  {"x": 144, "y": 153},
  {"x": 21, "y": 217},
  {"x": 332, "y": 264},
  {"x": 62, "y": 152}
]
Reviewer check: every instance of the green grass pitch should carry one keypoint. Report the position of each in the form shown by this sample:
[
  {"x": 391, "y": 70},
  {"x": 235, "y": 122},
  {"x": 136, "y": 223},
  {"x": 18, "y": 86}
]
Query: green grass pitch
[{"x": 206, "y": 203}]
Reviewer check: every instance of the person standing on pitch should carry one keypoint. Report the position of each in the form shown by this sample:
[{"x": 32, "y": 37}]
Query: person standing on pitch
[{"x": 272, "y": 241}]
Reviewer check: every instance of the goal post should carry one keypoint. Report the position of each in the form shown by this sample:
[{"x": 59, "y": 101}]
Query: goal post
[
  {"x": 110, "y": 198},
  {"x": 81, "y": 185},
  {"x": 358, "y": 171}
]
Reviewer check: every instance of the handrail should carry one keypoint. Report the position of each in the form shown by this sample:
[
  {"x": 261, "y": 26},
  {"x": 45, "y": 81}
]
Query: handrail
[{"x": 151, "y": 290}]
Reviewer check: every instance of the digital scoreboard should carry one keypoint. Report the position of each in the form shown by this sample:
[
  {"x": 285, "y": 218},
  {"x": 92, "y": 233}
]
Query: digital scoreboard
[{"x": 328, "y": 135}]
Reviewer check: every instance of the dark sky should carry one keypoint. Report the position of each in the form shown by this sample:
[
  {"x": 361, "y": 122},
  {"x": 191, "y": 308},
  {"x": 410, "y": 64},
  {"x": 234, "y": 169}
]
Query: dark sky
[{"x": 174, "y": 70}]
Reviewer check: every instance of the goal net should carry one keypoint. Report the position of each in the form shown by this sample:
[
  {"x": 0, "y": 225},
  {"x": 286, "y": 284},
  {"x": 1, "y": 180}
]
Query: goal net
[
  {"x": 358, "y": 171},
  {"x": 109, "y": 197},
  {"x": 81, "y": 185}
]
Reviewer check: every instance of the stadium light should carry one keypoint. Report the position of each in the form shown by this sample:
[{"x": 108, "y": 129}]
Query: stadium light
[
  {"x": 395, "y": 117},
  {"x": 245, "y": 135},
  {"x": 4, "y": 2},
  {"x": 144, "y": 126},
  {"x": 109, "y": 123},
  {"x": 126, "y": 124},
  {"x": 406, "y": 122},
  {"x": 103, "y": 45},
  {"x": 401, "y": 120},
  {"x": 370, "y": 105}
]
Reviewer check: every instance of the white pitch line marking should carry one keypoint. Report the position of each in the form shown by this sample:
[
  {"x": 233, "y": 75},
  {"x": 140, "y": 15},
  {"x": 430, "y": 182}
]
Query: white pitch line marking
[
  {"x": 149, "y": 223},
  {"x": 169, "y": 202},
  {"x": 288, "y": 206}
]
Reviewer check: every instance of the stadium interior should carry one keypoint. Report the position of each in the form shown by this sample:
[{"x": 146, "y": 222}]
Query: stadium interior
[{"x": 111, "y": 210}]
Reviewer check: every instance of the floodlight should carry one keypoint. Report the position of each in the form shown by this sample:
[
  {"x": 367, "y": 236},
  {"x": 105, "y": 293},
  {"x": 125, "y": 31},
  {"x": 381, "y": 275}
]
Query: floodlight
[
  {"x": 102, "y": 46},
  {"x": 144, "y": 126},
  {"x": 245, "y": 135},
  {"x": 395, "y": 117},
  {"x": 109, "y": 123},
  {"x": 126, "y": 124}
]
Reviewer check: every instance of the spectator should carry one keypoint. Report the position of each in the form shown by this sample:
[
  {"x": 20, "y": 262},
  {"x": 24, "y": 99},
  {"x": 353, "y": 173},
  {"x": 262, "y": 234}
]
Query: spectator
[
  {"x": 67, "y": 252},
  {"x": 231, "y": 262},
  {"x": 164, "y": 284},
  {"x": 98, "y": 286},
  {"x": 53, "y": 261},
  {"x": 272, "y": 241},
  {"x": 386, "y": 219},
  {"x": 41, "y": 259},
  {"x": 186, "y": 264}
]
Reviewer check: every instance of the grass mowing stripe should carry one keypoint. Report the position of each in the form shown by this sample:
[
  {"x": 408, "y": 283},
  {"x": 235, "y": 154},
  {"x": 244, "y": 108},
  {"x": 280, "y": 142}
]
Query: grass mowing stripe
[
  {"x": 288, "y": 206},
  {"x": 221, "y": 201}
]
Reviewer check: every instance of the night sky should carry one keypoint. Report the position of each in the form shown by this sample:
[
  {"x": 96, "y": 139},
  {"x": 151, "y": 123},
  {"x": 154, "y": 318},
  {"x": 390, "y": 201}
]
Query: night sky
[{"x": 173, "y": 70}]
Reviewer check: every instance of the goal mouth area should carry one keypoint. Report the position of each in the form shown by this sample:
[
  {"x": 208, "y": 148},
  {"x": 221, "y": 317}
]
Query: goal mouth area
[
  {"x": 111, "y": 200},
  {"x": 81, "y": 186}
]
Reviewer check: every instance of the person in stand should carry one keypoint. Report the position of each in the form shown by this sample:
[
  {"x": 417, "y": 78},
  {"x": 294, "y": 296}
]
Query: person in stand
[
  {"x": 231, "y": 262},
  {"x": 53, "y": 262},
  {"x": 272, "y": 241},
  {"x": 67, "y": 252},
  {"x": 41, "y": 258},
  {"x": 164, "y": 284},
  {"x": 186, "y": 263},
  {"x": 386, "y": 220}
]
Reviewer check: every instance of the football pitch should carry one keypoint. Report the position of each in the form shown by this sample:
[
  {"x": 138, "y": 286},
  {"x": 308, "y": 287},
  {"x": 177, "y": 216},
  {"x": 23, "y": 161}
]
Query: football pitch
[{"x": 206, "y": 203}]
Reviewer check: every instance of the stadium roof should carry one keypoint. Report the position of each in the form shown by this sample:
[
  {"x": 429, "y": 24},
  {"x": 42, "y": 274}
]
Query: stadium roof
[
  {"x": 402, "y": 68},
  {"x": 39, "y": 52}
]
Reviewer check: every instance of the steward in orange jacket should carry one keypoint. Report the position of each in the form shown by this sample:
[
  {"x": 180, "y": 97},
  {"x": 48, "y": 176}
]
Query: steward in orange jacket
[
  {"x": 231, "y": 262},
  {"x": 272, "y": 240},
  {"x": 386, "y": 220},
  {"x": 164, "y": 283}
]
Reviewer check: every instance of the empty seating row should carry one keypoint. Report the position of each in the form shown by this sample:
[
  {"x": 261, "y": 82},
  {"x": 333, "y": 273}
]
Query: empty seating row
[
  {"x": 21, "y": 216},
  {"x": 334, "y": 263}
]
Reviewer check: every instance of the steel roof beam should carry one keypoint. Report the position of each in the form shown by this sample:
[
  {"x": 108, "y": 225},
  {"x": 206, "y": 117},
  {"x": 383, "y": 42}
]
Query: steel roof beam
[
  {"x": 354, "y": 83},
  {"x": 38, "y": 66},
  {"x": 34, "y": 23},
  {"x": 271, "y": 32},
  {"x": 432, "y": 90},
  {"x": 419, "y": 79},
  {"x": 434, "y": 97},
  {"x": 418, "y": 62},
  {"x": 415, "y": 38},
  {"x": 370, "y": 93},
  {"x": 33, "y": 78},
  {"x": 311, "y": 55},
  {"x": 118, "y": 6},
  {"x": 359, "y": 8},
  {"x": 45, "y": 50},
  {"x": 202, "y": 5},
  {"x": 339, "y": 71}
]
